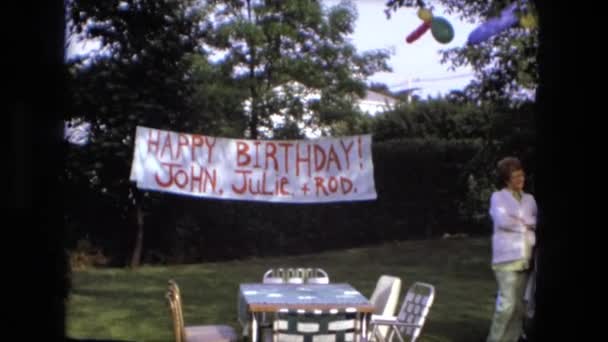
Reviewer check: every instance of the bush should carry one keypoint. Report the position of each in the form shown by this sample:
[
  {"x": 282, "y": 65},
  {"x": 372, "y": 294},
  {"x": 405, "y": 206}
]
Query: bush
[{"x": 85, "y": 256}]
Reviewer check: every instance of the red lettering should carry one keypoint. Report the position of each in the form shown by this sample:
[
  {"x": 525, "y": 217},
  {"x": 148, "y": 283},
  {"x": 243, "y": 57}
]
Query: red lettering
[
  {"x": 168, "y": 182},
  {"x": 300, "y": 160},
  {"x": 241, "y": 149},
  {"x": 196, "y": 178},
  {"x": 264, "y": 191},
  {"x": 166, "y": 145},
  {"x": 320, "y": 157},
  {"x": 333, "y": 184},
  {"x": 180, "y": 177},
  {"x": 210, "y": 146},
  {"x": 243, "y": 188},
  {"x": 320, "y": 186},
  {"x": 344, "y": 182},
  {"x": 251, "y": 191},
  {"x": 333, "y": 156},
  {"x": 197, "y": 140},
  {"x": 257, "y": 154},
  {"x": 153, "y": 142},
  {"x": 181, "y": 185},
  {"x": 212, "y": 179},
  {"x": 260, "y": 186},
  {"x": 346, "y": 152},
  {"x": 271, "y": 155},
  {"x": 284, "y": 181},
  {"x": 286, "y": 154},
  {"x": 305, "y": 189},
  {"x": 182, "y": 140}
]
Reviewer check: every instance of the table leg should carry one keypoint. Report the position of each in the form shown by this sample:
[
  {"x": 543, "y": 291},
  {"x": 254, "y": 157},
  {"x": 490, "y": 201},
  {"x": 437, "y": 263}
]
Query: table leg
[
  {"x": 364, "y": 328},
  {"x": 254, "y": 328}
]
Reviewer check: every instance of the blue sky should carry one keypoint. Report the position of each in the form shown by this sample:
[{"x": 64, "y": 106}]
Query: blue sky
[{"x": 418, "y": 63}]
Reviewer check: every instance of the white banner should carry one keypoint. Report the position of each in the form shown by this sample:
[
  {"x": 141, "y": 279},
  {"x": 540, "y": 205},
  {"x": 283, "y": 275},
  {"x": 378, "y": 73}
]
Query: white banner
[{"x": 299, "y": 171}]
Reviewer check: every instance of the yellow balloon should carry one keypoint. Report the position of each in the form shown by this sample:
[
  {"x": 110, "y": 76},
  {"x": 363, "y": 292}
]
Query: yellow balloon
[
  {"x": 528, "y": 21},
  {"x": 425, "y": 15}
]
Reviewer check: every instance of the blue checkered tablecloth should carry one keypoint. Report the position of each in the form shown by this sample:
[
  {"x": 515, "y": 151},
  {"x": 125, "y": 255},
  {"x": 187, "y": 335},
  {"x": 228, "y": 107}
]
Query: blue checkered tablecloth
[{"x": 291, "y": 295}]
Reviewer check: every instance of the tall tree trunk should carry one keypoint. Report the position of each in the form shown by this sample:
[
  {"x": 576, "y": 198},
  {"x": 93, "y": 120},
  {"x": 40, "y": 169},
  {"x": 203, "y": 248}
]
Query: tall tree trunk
[
  {"x": 253, "y": 124},
  {"x": 139, "y": 238}
]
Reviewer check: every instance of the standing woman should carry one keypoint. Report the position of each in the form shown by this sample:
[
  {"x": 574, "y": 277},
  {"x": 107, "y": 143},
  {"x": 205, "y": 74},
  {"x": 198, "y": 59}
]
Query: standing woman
[{"x": 513, "y": 214}]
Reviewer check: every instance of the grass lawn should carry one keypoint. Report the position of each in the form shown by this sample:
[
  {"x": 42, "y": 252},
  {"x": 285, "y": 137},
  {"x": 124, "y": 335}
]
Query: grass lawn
[{"x": 130, "y": 305}]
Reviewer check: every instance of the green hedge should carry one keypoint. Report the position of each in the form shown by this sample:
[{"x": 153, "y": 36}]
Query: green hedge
[
  {"x": 419, "y": 187},
  {"x": 419, "y": 193}
]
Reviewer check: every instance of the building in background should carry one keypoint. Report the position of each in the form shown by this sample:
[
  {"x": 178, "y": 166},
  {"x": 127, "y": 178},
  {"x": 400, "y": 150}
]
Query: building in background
[{"x": 375, "y": 103}]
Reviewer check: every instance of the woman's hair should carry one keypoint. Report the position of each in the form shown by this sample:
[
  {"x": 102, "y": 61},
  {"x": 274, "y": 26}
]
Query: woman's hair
[{"x": 506, "y": 167}]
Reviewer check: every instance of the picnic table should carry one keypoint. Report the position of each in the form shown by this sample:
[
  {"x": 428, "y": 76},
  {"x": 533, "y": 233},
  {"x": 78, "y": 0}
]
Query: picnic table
[{"x": 257, "y": 301}]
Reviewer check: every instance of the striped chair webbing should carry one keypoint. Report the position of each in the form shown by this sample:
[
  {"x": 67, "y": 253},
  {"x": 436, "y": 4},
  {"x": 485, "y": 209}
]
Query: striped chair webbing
[
  {"x": 414, "y": 310},
  {"x": 299, "y": 275},
  {"x": 316, "y": 326}
]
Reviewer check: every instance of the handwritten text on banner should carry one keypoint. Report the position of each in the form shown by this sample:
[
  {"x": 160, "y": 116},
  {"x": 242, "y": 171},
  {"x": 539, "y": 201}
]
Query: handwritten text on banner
[{"x": 323, "y": 170}]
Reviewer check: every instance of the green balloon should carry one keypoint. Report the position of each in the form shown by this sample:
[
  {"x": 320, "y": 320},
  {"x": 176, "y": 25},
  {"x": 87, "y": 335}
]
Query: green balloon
[{"x": 442, "y": 30}]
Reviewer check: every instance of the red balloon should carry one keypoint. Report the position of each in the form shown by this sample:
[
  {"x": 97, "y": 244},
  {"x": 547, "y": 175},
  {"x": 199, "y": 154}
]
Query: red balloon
[{"x": 425, "y": 26}]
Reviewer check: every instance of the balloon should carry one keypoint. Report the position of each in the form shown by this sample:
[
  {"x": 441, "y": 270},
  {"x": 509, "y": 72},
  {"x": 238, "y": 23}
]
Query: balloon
[
  {"x": 485, "y": 31},
  {"x": 425, "y": 26},
  {"x": 528, "y": 21},
  {"x": 494, "y": 26},
  {"x": 425, "y": 15},
  {"x": 442, "y": 30}
]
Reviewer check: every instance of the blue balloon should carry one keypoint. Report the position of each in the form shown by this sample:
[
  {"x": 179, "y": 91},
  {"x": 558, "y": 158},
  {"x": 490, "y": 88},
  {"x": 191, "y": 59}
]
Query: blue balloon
[{"x": 494, "y": 26}]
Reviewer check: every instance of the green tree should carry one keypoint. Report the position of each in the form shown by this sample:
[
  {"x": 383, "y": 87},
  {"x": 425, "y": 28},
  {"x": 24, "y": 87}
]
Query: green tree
[
  {"x": 144, "y": 74},
  {"x": 216, "y": 102},
  {"x": 506, "y": 77},
  {"x": 493, "y": 130},
  {"x": 511, "y": 132},
  {"x": 294, "y": 60},
  {"x": 434, "y": 119},
  {"x": 506, "y": 70}
]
